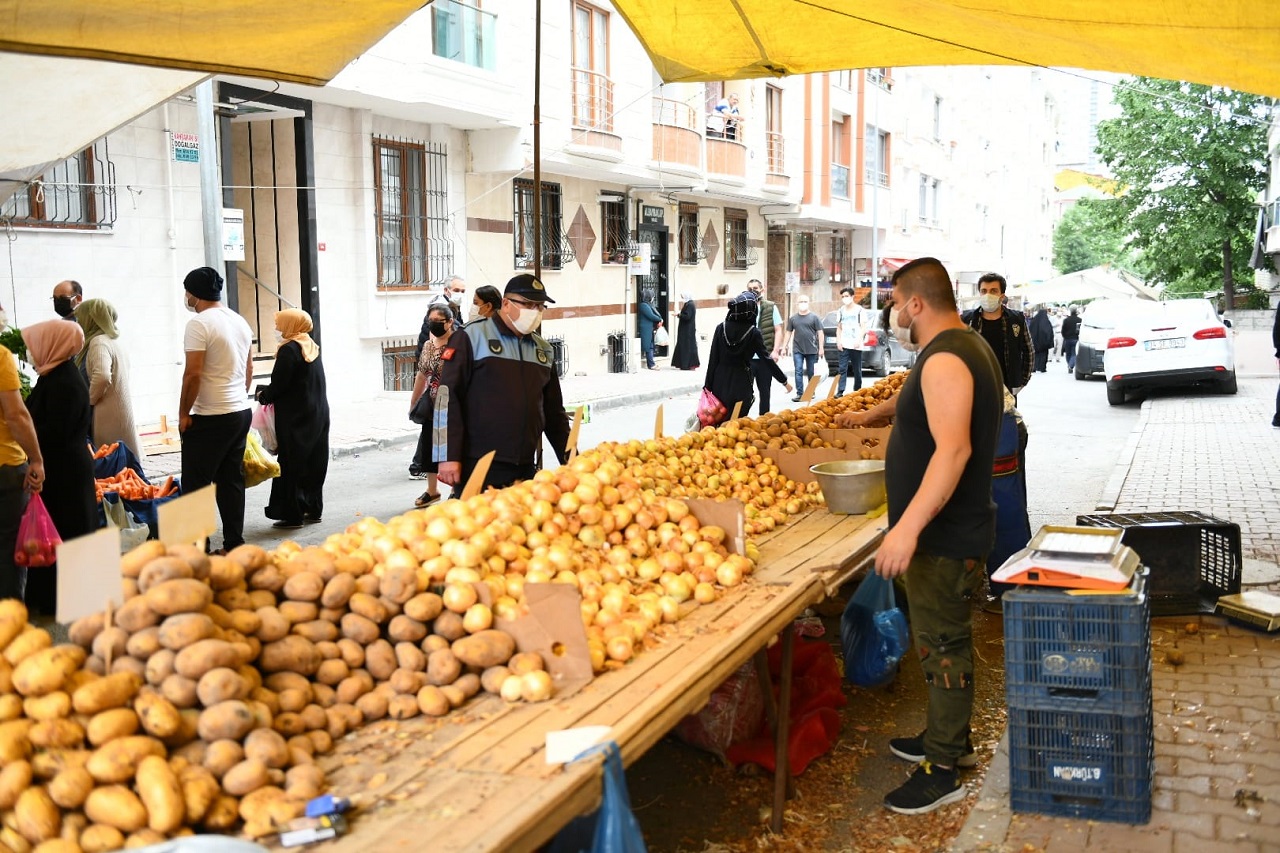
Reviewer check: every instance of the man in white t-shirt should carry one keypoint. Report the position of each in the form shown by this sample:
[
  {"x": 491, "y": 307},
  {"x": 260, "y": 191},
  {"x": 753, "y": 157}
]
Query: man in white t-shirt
[
  {"x": 851, "y": 333},
  {"x": 214, "y": 413}
]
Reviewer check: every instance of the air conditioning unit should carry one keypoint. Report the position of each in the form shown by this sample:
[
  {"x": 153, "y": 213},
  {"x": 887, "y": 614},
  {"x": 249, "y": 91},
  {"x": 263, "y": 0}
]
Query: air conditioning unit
[{"x": 1273, "y": 240}]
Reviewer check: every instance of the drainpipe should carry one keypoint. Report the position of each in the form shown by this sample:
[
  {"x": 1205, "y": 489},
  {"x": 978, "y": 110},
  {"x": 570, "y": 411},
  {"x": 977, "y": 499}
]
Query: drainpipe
[{"x": 210, "y": 182}]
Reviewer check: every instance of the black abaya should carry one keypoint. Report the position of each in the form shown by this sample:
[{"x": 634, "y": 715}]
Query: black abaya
[
  {"x": 685, "y": 355},
  {"x": 297, "y": 391}
]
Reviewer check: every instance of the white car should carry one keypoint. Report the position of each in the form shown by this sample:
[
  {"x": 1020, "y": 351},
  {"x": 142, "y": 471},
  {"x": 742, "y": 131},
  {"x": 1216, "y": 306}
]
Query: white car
[
  {"x": 1097, "y": 319},
  {"x": 1171, "y": 343}
]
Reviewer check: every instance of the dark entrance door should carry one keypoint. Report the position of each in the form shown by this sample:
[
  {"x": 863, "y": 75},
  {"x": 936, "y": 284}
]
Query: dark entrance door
[{"x": 653, "y": 287}]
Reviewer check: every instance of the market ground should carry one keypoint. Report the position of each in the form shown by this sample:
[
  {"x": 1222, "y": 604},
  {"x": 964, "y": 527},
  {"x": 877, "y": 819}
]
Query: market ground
[{"x": 1189, "y": 450}]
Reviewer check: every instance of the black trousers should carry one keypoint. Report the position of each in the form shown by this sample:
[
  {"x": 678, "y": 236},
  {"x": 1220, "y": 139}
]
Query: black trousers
[
  {"x": 764, "y": 380},
  {"x": 213, "y": 452},
  {"x": 13, "y": 501}
]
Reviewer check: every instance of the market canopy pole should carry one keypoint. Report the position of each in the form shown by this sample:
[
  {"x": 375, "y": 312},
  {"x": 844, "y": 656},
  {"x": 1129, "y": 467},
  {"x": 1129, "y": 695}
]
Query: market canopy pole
[{"x": 537, "y": 140}]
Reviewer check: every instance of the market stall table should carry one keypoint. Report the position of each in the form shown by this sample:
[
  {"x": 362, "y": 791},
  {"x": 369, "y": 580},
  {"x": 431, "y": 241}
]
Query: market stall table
[{"x": 477, "y": 779}]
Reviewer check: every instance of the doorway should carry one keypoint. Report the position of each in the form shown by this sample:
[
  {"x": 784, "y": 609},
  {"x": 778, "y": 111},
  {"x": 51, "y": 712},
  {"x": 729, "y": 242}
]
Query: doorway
[{"x": 653, "y": 286}]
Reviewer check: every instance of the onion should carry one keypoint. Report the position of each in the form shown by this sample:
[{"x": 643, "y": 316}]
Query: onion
[
  {"x": 512, "y": 688},
  {"x": 728, "y": 574},
  {"x": 620, "y": 648},
  {"x": 705, "y": 593},
  {"x": 458, "y": 597},
  {"x": 477, "y": 618}
]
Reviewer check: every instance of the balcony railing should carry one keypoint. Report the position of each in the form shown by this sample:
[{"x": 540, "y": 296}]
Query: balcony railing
[
  {"x": 839, "y": 180},
  {"x": 876, "y": 177},
  {"x": 880, "y": 77},
  {"x": 592, "y": 100},
  {"x": 464, "y": 34},
  {"x": 675, "y": 114},
  {"x": 721, "y": 126},
  {"x": 776, "y": 149}
]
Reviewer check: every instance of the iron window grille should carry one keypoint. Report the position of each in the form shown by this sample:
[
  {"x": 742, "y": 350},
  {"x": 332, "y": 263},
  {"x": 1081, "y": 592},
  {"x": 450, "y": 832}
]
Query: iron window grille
[
  {"x": 613, "y": 225},
  {"x": 415, "y": 249},
  {"x": 691, "y": 249},
  {"x": 806, "y": 262},
  {"x": 737, "y": 250},
  {"x": 78, "y": 193},
  {"x": 839, "y": 265},
  {"x": 556, "y": 251},
  {"x": 399, "y": 367}
]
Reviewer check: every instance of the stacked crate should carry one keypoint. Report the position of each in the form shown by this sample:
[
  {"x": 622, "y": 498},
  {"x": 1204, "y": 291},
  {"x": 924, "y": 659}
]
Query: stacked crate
[{"x": 1078, "y": 685}]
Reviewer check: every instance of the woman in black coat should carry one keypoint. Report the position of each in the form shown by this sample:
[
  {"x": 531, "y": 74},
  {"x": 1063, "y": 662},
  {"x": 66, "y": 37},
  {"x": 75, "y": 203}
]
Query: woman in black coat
[
  {"x": 297, "y": 391},
  {"x": 735, "y": 342},
  {"x": 1041, "y": 329},
  {"x": 685, "y": 354},
  {"x": 59, "y": 406}
]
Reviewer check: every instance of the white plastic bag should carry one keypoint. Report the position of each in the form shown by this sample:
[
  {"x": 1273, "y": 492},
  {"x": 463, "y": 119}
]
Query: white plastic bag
[{"x": 132, "y": 532}]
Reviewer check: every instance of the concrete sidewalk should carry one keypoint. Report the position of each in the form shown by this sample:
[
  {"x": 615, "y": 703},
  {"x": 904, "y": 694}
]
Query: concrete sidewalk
[{"x": 1217, "y": 715}]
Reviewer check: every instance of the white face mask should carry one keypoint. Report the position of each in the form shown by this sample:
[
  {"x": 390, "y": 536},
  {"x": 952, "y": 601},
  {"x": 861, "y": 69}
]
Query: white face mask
[
  {"x": 990, "y": 302},
  {"x": 455, "y": 296},
  {"x": 803, "y": 308},
  {"x": 847, "y": 300},
  {"x": 903, "y": 334},
  {"x": 279, "y": 337},
  {"x": 526, "y": 321},
  {"x": 190, "y": 303}
]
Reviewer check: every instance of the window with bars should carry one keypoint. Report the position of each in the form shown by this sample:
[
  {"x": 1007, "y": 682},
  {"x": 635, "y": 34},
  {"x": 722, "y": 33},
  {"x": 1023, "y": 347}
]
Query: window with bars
[
  {"x": 805, "y": 260},
  {"x": 930, "y": 189},
  {"x": 79, "y": 192},
  {"x": 877, "y": 157},
  {"x": 555, "y": 249},
  {"x": 838, "y": 268},
  {"x": 399, "y": 367},
  {"x": 613, "y": 225},
  {"x": 415, "y": 249},
  {"x": 687, "y": 236},
  {"x": 736, "y": 247},
  {"x": 880, "y": 77}
]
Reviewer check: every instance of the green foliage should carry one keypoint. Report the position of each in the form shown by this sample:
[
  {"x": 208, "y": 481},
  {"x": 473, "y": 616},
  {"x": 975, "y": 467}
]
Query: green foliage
[
  {"x": 1086, "y": 238},
  {"x": 1190, "y": 161},
  {"x": 11, "y": 339}
]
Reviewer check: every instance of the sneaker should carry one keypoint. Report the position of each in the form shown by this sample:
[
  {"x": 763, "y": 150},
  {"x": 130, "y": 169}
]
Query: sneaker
[
  {"x": 912, "y": 749},
  {"x": 795, "y": 399},
  {"x": 929, "y": 787},
  {"x": 417, "y": 475}
]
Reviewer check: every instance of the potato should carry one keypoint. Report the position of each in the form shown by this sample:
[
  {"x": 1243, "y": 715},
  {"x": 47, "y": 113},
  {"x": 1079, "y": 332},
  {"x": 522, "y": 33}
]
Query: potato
[
  {"x": 95, "y": 665},
  {"x": 281, "y": 681},
  {"x": 238, "y": 599},
  {"x": 405, "y": 629},
  {"x": 110, "y": 691},
  {"x": 317, "y": 630},
  {"x": 199, "y": 790},
  {"x": 6, "y": 675},
  {"x": 163, "y": 569},
  {"x": 372, "y": 706},
  {"x": 159, "y": 666},
  {"x": 117, "y": 760},
  {"x": 468, "y": 683},
  {"x": 424, "y": 607},
  {"x": 179, "y": 690},
  {"x": 409, "y": 656},
  {"x": 246, "y": 622},
  {"x": 406, "y": 681},
  {"x": 298, "y": 611},
  {"x": 267, "y": 808},
  {"x": 398, "y": 584},
  {"x": 313, "y": 717},
  {"x": 368, "y": 584},
  {"x": 203, "y": 655},
  {"x": 252, "y": 557},
  {"x": 267, "y": 746},
  {"x": 354, "y": 686},
  {"x": 449, "y": 625},
  {"x": 485, "y": 648},
  {"x": 12, "y": 705},
  {"x": 162, "y": 795},
  {"x": 267, "y": 578},
  {"x": 433, "y": 643},
  {"x": 194, "y": 556},
  {"x": 351, "y": 652},
  {"x": 247, "y": 776},
  {"x": 443, "y": 667},
  {"x": 368, "y": 606},
  {"x": 432, "y": 701},
  {"x": 224, "y": 573},
  {"x": 111, "y": 643},
  {"x": 304, "y": 586},
  {"x": 223, "y": 813},
  {"x": 188, "y": 729},
  {"x": 13, "y": 841},
  {"x": 182, "y": 595},
  {"x": 15, "y": 777},
  {"x": 100, "y": 838},
  {"x": 292, "y": 654},
  {"x": 454, "y": 694},
  {"x": 525, "y": 662},
  {"x": 231, "y": 720},
  {"x": 322, "y": 739},
  {"x": 73, "y": 823},
  {"x": 158, "y": 715},
  {"x": 329, "y": 650},
  {"x": 304, "y": 782},
  {"x": 332, "y": 672},
  {"x": 116, "y": 805},
  {"x": 51, "y": 706},
  {"x": 491, "y": 679},
  {"x": 71, "y": 787},
  {"x": 359, "y": 629},
  {"x": 14, "y": 743},
  {"x": 36, "y": 814},
  {"x": 182, "y": 629},
  {"x": 83, "y": 630},
  {"x": 289, "y": 723},
  {"x": 50, "y": 762},
  {"x": 380, "y": 660},
  {"x": 258, "y": 599},
  {"x": 57, "y": 734},
  {"x": 338, "y": 590},
  {"x": 144, "y": 643},
  {"x": 130, "y": 664},
  {"x": 132, "y": 563},
  {"x": 222, "y": 755},
  {"x": 220, "y": 684},
  {"x": 136, "y": 614},
  {"x": 24, "y": 645}
]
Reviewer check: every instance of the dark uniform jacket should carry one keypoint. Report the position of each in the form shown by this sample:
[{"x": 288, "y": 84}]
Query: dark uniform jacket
[{"x": 498, "y": 391}]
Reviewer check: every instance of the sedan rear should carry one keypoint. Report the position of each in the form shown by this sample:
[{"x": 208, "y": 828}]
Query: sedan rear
[{"x": 1180, "y": 342}]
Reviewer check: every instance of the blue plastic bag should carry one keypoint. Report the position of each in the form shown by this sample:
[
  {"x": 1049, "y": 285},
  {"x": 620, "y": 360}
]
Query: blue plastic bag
[
  {"x": 873, "y": 633},
  {"x": 613, "y": 827}
]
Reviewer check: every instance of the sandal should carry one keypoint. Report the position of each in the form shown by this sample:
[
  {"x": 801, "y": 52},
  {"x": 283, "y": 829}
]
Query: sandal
[{"x": 426, "y": 499}]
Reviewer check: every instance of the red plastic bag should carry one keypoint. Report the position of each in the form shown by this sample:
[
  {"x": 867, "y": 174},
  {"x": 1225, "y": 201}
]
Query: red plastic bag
[
  {"x": 38, "y": 539},
  {"x": 710, "y": 410}
]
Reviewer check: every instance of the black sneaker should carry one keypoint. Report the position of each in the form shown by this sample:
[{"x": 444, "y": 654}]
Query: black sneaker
[
  {"x": 912, "y": 749},
  {"x": 929, "y": 787},
  {"x": 1275, "y": 422}
]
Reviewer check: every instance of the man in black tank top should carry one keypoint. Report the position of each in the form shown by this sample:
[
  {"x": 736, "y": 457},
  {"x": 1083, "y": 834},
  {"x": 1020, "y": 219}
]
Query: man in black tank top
[{"x": 941, "y": 516}]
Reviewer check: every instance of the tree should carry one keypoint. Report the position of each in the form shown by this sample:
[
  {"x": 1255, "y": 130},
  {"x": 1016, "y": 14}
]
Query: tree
[
  {"x": 1190, "y": 161},
  {"x": 1085, "y": 238}
]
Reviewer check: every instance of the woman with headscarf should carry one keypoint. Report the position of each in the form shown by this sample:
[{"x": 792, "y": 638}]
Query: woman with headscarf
[
  {"x": 59, "y": 406},
  {"x": 685, "y": 355},
  {"x": 486, "y": 302},
  {"x": 441, "y": 325},
  {"x": 107, "y": 369},
  {"x": 650, "y": 320},
  {"x": 735, "y": 342},
  {"x": 297, "y": 391}
]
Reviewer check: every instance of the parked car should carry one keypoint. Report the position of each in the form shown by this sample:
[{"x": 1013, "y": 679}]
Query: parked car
[
  {"x": 1173, "y": 343},
  {"x": 1097, "y": 319},
  {"x": 884, "y": 356}
]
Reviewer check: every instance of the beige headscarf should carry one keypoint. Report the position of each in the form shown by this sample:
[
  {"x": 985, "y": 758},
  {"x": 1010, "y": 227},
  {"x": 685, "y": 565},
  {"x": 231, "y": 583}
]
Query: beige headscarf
[
  {"x": 294, "y": 324},
  {"x": 52, "y": 342}
]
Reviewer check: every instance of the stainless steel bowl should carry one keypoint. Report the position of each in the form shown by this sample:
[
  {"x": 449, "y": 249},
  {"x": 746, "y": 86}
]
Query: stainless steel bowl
[{"x": 851, "y": 486}]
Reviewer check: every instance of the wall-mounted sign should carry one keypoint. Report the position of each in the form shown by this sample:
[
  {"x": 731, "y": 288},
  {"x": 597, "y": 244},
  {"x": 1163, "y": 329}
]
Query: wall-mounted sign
[
  {"x": 652, "y": 214},
  {"x": 232, "y": 234},
  {"x": 639, "y": 262},
  {"x": 793, "y": 282},
  {"x": 186, "y": 147}
]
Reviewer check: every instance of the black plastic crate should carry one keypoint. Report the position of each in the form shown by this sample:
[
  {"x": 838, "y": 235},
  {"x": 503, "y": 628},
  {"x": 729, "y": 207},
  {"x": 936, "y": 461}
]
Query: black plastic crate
[
  {"x": 1078, "y": 764},
  {"x": 1071, "y": 651},
  {"x": 1194, "y": 558}
]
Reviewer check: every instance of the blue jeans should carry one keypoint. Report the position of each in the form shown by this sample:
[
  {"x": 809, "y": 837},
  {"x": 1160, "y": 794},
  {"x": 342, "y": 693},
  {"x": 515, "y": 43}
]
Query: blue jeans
[
  {"x": 850, "y": 365},
  {"x": 1069, "y": 350},
  {"x": 804, "y": 369}
]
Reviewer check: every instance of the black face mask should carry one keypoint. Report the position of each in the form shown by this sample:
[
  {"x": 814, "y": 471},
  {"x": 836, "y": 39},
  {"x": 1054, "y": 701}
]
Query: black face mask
[
  {"x": 62, "y": 305},
  {"x": 437, "y": 328}
]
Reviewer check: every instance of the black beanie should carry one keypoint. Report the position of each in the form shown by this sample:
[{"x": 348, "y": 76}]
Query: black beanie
[{"x": 204, "y": 283}]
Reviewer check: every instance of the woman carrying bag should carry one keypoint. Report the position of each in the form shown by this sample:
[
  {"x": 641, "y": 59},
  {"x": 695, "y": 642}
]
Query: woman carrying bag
[
  {"x": 440, "y": 326},
  {"x": 685, "y": 355},
  {"x": 735, "y": 342}
]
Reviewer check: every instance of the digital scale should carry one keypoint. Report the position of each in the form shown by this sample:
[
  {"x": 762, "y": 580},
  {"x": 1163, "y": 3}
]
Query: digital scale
[
  {"x": 1092, "y": 558},
  {"x": 1259, "y": 609}
]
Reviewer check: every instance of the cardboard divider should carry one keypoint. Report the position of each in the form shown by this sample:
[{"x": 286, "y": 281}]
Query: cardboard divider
[{"x": 795, "y": 466}]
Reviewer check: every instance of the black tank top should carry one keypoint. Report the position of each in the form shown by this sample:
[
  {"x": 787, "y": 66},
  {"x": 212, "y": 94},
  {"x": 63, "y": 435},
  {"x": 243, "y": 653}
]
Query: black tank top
[{"x": 965, "y": 528}]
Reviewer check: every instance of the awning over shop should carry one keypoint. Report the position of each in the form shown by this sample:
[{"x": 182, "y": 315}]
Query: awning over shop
[
  {"x": 892, "y": 265},
  {"x": 1224, "y": 42},
  {"x": 1095, "y": 283}
]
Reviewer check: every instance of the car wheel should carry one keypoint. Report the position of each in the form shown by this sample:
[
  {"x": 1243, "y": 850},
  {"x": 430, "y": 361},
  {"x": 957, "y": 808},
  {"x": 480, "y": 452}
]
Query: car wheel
[
  {"x": 1080, "y": 377},
  {"x": 1115, "y": 396},
  {"x": 1228, "y": 385},
  {"x": 882, "y": 369}
]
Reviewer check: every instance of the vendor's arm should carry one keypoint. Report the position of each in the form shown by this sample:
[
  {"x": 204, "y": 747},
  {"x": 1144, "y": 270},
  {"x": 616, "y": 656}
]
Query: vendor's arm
[
  {"x": 947, "y": 387},
  {"x": 878, "y": 415},
  {"x": 455, "y": 376}
]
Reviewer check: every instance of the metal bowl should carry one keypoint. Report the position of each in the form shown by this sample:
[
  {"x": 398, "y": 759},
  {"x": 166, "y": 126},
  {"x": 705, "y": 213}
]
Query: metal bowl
[{"x": 851, "y": 486}]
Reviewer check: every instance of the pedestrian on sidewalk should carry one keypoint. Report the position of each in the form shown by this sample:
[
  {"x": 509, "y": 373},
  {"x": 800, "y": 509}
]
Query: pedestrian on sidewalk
[
  {"x": 685, "y": 354},
  {"x": 733, "y": 346},
  {"x": 106, "y": 367},
  {"x": 298, "y": 392},
  {"x": 486, "y": 301},
  {"x": 1041, "y": 328},
  {"x": 941, "y": 518},
  {"x": 1071, "y": 337},
  {"x": 804, "y": 342},
  {"x": 649, "y": 321},
  {"x": 427, "y": 381},
  {"x": 1005, "y": 330},
  {"x": 851, "y": 333},
  {"x": 769, "y": 322}
]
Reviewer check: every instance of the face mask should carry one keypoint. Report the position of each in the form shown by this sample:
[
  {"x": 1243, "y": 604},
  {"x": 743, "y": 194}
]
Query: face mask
[
  {"x": 990, "y": 302},
  {"x": 190, "y": 303},
  {"x": 455, "y": 297},
  {"x": 847, "y": 300},
  {"x": 804, "y": 308},
  {"x": 526, "y": 321},
  {"x": 903, "y": 334},
  {"x": 62, "y": 306},
  {"x": 437, "y": 328}
]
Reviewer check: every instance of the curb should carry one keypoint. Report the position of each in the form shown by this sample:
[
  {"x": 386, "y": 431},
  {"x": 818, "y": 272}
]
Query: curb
[{"x": 1110, "y": 495}]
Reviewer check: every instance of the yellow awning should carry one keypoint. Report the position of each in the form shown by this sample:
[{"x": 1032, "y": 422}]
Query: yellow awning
[
  {"x": 1224, "y": 42},
  {"x": 303, "y": 41}
]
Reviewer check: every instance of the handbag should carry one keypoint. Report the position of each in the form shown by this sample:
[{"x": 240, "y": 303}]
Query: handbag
[
  {"x": 661, "y": 337},
  {"x": 421, "y": 412},
  {"x": 710, "y": 410},
  {"x": 38, "y": 539},
  {"x": 873, "y": 633}
]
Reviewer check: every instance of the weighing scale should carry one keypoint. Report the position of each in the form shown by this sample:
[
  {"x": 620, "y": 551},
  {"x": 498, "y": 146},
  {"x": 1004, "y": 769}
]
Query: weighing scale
[
  {"x": 1259, "y": 609},
  {"x": 1092, "y": 558}
]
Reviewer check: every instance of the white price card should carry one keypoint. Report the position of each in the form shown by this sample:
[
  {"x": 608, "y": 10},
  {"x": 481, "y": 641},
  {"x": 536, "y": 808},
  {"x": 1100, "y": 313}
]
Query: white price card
[
  {"x": 190, "y": 518},
  {"x": 88, "y": 574},
  {"x": 567, "y": 744}
]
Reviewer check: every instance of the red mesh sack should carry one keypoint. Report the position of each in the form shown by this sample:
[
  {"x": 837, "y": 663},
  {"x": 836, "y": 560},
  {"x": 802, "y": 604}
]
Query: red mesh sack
[{"x": 734, "y": 713}]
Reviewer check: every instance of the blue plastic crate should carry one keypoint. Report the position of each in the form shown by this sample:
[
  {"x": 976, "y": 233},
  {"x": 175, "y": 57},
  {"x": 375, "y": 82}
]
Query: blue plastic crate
[
  {"x": 1095, "y": 766},
  {"x": 1078, "y": 652}
]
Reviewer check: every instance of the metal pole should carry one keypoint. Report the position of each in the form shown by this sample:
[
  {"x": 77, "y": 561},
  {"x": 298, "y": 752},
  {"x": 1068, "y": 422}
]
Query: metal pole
[
  {"x": 537, "y": 139},
  {"x": 210, "y": 180},
  {"x": 875, "y": 209}
]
